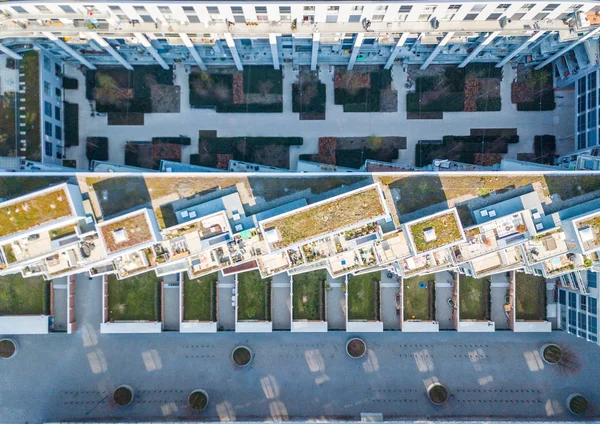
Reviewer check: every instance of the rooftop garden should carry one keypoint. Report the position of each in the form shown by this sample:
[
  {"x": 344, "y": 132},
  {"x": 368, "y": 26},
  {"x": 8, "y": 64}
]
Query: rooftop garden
[
  {"x": 30, "y": 68},
  {"x": 24, "y": 296},
  {"x": 530, "y": 296},
  {"x": 136, "y": 298},
  {"x": 474, "y": 298},
  {"x": 328, "y": 217},
  {"x": 254, "y": 297},
  {"x": 255, "y": 89},
  {"x": 118, "y": 194},
  {"x": 594, "y": 224},
  {"x": 309, "y": 296},
  {"x": 200, "y": 298},
  {"x": 444, "y": 229},
  {"x": 364, "y": 297},
  {"x": 368, "y": 89},
  {"x": 33, "y": 212},
  {"x": 308, "y": 95},
  {"x": 419, "y": 298},
  {"x": 135, "y": 231},
  {"x": 533, "y": 90}
]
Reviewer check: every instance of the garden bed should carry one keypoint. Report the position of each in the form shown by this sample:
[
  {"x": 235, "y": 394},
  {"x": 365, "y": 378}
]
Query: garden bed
[
  {"x": 96, "y": 148},
  {"x": 256, "y": 89},
  {"x": 533, "y": 90},
  {"x": 544, "y": 150},
  {"x": 364, "y": 297},
  {"x": 446, "y": 88},
  {"x": 309, "y": 95},
  {"x": 200, "y": 298},
  {"x": 368, "y": 89},
  {"x": 269, "y": 151},
  {"x": 254, "y": 297},
  {"x": 149, "y": 154},
  {"x": 136, "y": 298},
  {"x": 530, "y": 295},
  {"x": 446, "y": 227},
  {"x": 24, "y": 296},
  {"x": 419, "y": 301},
  {"x": 30, "y": 67},
  {"x": 8, "y": 140},
  {"x": 475, "y": 298},
  {"x": 71, "y": 111},
  {"x": 309, "y": 296}
]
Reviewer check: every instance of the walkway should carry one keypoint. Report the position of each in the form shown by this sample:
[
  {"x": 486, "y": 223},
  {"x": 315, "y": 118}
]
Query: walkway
[
  {"x": 444, "y": 290},
  {"x": 559, "y": 122},
  {"x": 172, "y": 304},
  {"x": 226, "y": 317},
  {"x": 281, "y": 306}
]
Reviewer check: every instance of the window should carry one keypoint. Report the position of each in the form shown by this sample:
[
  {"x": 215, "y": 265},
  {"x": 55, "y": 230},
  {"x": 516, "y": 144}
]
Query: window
[
  {"x": 454, "y": 7},
  {"x": 213, "y": 10},
  {"x": 581, "y": 140},
  {"x": 493, "y": 17},
  {"x": 581, "y": 85},
  {"x": 193, "y": 19},
  {"x": 57, "y": 93},
  {"x": 43, "y": 9},
  {"x": 58, "y": 132},
  {"x": 377, "y": 18},
  {"x": 309, "y": 8},
  {"x": 381, "y": 8},
  {"x": 48, "y": 148},
  {"x": 139, "y": 8},
  {"x": 115, "y": 8},
  {"x": 331, "y": 19},
  {"x": 470, "y": 17},
  {"x": 57, "y": 113},
  {"x": 67, "y": 9},
  {"x": 592, "y": 135},
  {"x": 48, "y": 129},
  {"x": 405, "y": 9},
  {"x": 591, "y": 79},
  {"x": 354, "y": 18},
  {"x": 581, "y": 122},
  {"x": 47, "y": 88},
  {"x": 592, "y": 118},
  {"x": 583, "y": 303},
  {"x": 285, "y": 9},
  {"x": 146, "y": 18},
  {"x": 550, "y": 7},
  {"x": 48, "y": 109},
  {"x": 527, "y": 6},
  {"x": 503, "y": 6},
  {"x": 592, "y": 97},
  {"x": 572, "y": 300},
  {"x": 237, "y": 10},
  {"x": 19, "y": 9},
  {"x": 592, "y": 279},
  {"x": 582, "y": 321},
  {"x": 47, "y": 63},
  {"x": 260, "y": 9},
  {"x": 572, "y": 317},
  {"x": 359, "y": 8},
  {"x": 593, "y": 325},
  {"x": 562, "y": 297},
  {"x": 333, "y": 8},
  {"x": 478, "y": 8},
  {"x": 593, "y": 306},
  {"x": 164, "y": 9}
]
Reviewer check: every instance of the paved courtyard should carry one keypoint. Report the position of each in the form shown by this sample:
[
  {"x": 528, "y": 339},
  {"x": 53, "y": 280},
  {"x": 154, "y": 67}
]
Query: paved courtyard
[{"x": 559, "y": 122}]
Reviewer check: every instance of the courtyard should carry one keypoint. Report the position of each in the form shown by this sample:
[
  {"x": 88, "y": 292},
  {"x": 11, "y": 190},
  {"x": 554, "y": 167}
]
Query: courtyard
[
  {"x": 136, "y": 298},
  {"x": 254, "y": 297},
  {"x": 309, "y": 295},
  {"x": 419, "y": 298},
  {"x": 24, "y": 296},
  {"x": 530, "y": 297},
  {"x": 200, "y": 298},
  {"x": 190, "y": 120},
  {"x": 364, "y": 297},
  {"x": 474, "y": 298}
]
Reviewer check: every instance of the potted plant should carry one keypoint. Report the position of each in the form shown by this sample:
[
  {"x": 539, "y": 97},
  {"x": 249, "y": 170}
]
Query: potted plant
[
  {"x": 242, "y": 356},
  {"x": 356, "y": 348},
  {"x": 566, "y": 359},
  {"x": 551, "y": 353},
  {"x": 123, "y": 395},
  {"x": 8, "y": 348},
  {"x": 198, "y": 400},
  {"x": 577, "y": 404},
  {"x": 437, "y": 393},
  {"x": 521, "y": 228}
]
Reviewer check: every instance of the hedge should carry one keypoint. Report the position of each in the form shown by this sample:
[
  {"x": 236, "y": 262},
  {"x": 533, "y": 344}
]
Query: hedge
[
  {"x": 183, "y": 141},
  {"x": 452, "y": 102},
  {"x": 224, "y": 145},
  {"x": 250, "y": 108},
  {"x": 489, "y": 105},
  {"x": 71, "y": 114}
]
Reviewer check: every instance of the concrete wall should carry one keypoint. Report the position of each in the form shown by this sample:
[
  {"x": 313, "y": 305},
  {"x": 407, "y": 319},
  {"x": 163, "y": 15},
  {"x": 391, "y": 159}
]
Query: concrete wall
[
  {"x": 24, "y": 324},
  {"x": 420, "y": 326},
  {"x": 71, "y": 323}
]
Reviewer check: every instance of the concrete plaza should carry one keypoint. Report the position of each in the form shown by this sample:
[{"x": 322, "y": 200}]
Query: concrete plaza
[
  {"x": 499, "y": 375},
  {"x": 559, "y": 122}
]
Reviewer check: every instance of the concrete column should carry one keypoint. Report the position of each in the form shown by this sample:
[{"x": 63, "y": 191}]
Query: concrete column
[
  {"x": 520, "y": 48},
  {"x": 234, "y": 52},
  {"x": 479, "y": 48},
  {"x": 396, "y": 50},
  {"x": 188, "y": 43},
  {"x": 148, "y": 46},
  {"x": 568, "y": 48},
  {"x": 437, "y": 49},
  {"x": 315, "y": 51},
  {"x": 274, "y": 50},
  {"x": 104, "y": 44},
  {"x": 355, "y": 49},
  {"x": 68, "y": 49},
  {"x": 9, "y": 52}
]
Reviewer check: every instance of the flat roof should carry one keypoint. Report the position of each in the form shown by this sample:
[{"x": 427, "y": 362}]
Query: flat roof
[{"x": 125, "y": 232}]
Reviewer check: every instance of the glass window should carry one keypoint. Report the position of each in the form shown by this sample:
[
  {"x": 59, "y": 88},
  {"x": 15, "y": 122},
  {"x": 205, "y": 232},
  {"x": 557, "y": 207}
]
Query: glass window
[
  {"x": 593, "y": 339},
  {"x": 58, "y": 92},
  {"x": 592, "y": 118},
  {"x": 581, "y": 122},
  {"x": 237, "y": 9},
  {"x": 581, "y": 104},
  {"x": 354, "y": 18},
  {"x": 562, "y": 297},
  {"x": 67, "y": 9},
  {"x": 43, "y": 9},
  {"x": 193, "y": 19},
  {"x": 48, "y": 148},
  {"x": 405, "y": 9},
  {"x": 58, "y": 132},
  {"x": 592, "y": 97},
  {"x": 591, "y": 81},
  {"x": 19, "y": 9},
  {"x": 582, "y": 334},
  {"x": 48, "y": 129},
  {"x": 188, "y": 9},
  {"x": 593, "y": 325},
  {"x": 48, "y": 109},
  {"x": 57, "y": 113},
  {"x": 260, "y": 9},
  {"x": 592, "y": 138},
  {"x": 581, "y": 85},
  {"x": 164, "y": 9},
  {"x": 593, "y": 306},
  {"x": 572, "y": 300},
  {"x": 581, "y": 141},
  {"x": 213, "y": 10},
  {"x": 47, "y": 63},
  {"x": 378, "y": 18},
  {"x": 572, "y": 330},
  {"x": 332, "y": 19},
  {"x": 582, "y": 321},
  {"x": 572, "y": 317},
  {"x": 285, "y": 9},
  {"x": 592, "y": 279}
]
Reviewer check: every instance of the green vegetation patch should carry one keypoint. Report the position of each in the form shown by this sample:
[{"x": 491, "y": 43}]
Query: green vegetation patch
[
  {"x": 24, "y": 296},
  {"x": 136, "y": 298},
  {"x": 364, "y": 297},
  {"x": 254, "y": 297},
  {"x": 446, "y": 227},
  {"x": 474, "y": 298},
  {"x": 530, "y": 295},
  {"x": 309, "y": 291},
  {"x": 199, "y": 298},
  {"x": 419, "y": 301}
]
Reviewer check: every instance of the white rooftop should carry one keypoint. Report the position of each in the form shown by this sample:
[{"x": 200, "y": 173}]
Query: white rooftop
[
  {"x": 429, "y": 234},
  {"x": 586, "y": 234}
]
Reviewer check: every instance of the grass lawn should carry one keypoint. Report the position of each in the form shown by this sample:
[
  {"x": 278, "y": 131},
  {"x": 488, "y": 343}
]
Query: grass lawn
[
  {"x": 474, "y": 297},
  {"x": 417, "y": 301},
  {"x": 199, "y": 298},
  {"x": 446, "y": 227},
  {"x": 309, "y": 289},
  {"x": 530, "y": 294},
  {"x": 363, "y": 297},
  {"x": 24, "y": 296},
  {"x": 135, "y": 298},
  {"x": 254, "y": 297}
]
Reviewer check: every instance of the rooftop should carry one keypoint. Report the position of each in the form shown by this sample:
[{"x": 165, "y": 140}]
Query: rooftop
[
  {"x": 34, "y": 210},
  {"x": 325, "y": 217},
  {"x": 589, "y": 232},
  {"x": 127, "y": 231},
  {"x": 435, "y": 231}
]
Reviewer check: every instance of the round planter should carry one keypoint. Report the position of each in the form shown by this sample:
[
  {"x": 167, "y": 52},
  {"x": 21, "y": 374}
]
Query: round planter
[
  {"x": 577, "y": 404},
  {"x": 242, "y": 356},
  {"x": 8, "y": 348},
  {"x": 123, "y": 395},
  {"x": 437, "y": 393},
  {"x": 356, "y": 348},
  {"x": 551, "y": 353},
  {"x": 198, "y": 400}
]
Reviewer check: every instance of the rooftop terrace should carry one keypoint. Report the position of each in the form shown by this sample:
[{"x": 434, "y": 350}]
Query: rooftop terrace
[
  {"x": 126, "y": 232},
  {"x": 433, "y": 232}
]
